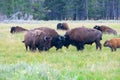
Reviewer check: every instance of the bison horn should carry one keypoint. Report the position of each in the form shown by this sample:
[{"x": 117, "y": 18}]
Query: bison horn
[
  {"x": 60, "y": 38},
  {"x": 47, "y": 38}
]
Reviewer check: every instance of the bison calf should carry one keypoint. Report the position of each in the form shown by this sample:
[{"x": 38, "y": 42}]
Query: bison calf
[{"x": 112, "y": 43}]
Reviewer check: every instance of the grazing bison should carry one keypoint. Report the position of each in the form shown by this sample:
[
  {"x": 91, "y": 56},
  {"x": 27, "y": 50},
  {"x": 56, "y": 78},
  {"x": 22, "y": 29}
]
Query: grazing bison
[
  {"x": 57, "y": 40},
  {"x": 112, "y": 43},
  {"x": 105, "y": 29},
  {"x": 81, "y": 36},
  {"x": 17, "y": 29},
  {"x": 62, "y": 26},
  {"x": 37, "y": 39}
]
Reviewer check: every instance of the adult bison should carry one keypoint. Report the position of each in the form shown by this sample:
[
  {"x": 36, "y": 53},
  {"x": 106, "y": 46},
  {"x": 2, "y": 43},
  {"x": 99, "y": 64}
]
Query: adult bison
[
  {"x": 113, "y": 43},
  {"x": 62, "y": 26},
  {"x": 105, "y": 29},
  {"x": 81, "y": 36},
  {"x": 57, "y": 40},
  {"x": 17, "y": 29},
  {"x": 37, "y": 39}
]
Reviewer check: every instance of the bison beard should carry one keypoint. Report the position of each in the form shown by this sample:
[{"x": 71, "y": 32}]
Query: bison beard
[{"x": 81, "y": 36}]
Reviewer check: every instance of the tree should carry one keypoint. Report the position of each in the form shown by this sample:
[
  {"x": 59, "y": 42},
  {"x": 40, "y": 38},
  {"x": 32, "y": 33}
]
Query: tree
[{"x": 61, "y": 9}]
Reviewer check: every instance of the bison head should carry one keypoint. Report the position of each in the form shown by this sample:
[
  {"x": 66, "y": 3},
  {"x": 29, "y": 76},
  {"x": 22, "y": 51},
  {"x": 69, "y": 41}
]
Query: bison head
[
  {"x": 97, "y": 27},
  {"x": 46, "y": 45},
  {"x": 59, "y": 26},
  {"x": 107, "y": 43},
  {"x": 67, "y": 41},
  {"x": 12, "y": 30},
  {"x": 58, "y": 42}
]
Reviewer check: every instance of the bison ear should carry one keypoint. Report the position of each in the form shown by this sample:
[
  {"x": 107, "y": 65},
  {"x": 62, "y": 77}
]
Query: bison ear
[
  {"x": 46, "y": 38},
  {"x": 59, "y": 38}
]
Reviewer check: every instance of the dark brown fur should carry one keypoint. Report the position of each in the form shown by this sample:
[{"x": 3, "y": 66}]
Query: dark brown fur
[
  {"x": 106, "y": 29},
  {"x": 49, "y": 31},
  {"x": 17, "y": 29},
  {"x": 37, "y": 39},
  {"x": 56, "y": 41},
  {"x": 63, "y": 26},
  {"x": 81, "y": 36}
]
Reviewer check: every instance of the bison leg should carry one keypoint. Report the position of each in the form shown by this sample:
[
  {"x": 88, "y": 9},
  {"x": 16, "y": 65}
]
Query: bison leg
[
  {"x": 26, "y": 47},
  {"x": 31, "y": 48},
  {"x": 113, "y": 49},
  {"x": 41, "y": 47},
  {"x": 98, "y": 45},
  {"x": 80, "y": 47}
]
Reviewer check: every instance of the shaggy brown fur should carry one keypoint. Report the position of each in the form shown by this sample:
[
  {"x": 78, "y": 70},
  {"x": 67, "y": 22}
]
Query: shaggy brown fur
[
  {"x": 49, "y": 31},
  {"x": 57, "y": 40},
  {"x": 37, "y": 39}
]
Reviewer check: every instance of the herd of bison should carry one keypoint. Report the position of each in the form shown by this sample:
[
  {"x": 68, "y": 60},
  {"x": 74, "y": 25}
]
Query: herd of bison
[{"x": 44, "y": 38}]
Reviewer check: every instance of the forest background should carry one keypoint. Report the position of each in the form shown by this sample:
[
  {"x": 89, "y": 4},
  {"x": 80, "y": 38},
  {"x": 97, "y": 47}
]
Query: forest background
[{"x": 60, "y": 9}]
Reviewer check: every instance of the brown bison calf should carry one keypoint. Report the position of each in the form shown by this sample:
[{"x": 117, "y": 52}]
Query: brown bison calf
[
  {"x": 106, "y": 29},
  {"x": 112, "y": 43},
  {"x": 17, "y": 29}
]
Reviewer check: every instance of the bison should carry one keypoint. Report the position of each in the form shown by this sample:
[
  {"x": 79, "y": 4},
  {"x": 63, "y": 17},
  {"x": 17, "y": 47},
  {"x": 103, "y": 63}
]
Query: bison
[
  {"x": 105, "y": 29},
  {"x": 37, "y": 39},
  {"x": 113, "y": 44},
  {"x": 57, "y": 40},
  {"x": 81, "y": 36},
  {"x": 62, "y": 26},
  {"x": 17, "y": 29}
]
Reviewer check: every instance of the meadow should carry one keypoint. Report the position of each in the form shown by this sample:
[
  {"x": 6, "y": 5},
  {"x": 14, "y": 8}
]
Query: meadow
[{"x": 65, "y": 64}]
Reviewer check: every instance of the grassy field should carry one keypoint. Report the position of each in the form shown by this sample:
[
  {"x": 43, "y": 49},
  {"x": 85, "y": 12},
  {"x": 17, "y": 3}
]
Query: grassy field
[{"x": 64, "y": 64}]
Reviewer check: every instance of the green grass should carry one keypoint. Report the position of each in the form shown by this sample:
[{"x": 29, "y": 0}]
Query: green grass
[{"x": 65, "y": 64}]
